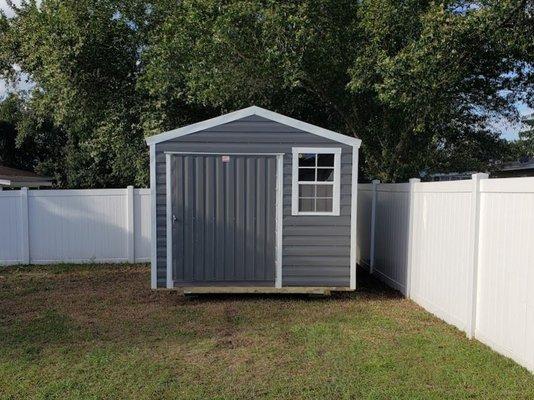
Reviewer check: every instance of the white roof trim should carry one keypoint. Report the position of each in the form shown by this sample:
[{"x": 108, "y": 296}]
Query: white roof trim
[{"x": 254, "y": 110}]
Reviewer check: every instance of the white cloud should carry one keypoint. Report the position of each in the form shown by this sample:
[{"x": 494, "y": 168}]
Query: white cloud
[{"x": 6, "y": 9}]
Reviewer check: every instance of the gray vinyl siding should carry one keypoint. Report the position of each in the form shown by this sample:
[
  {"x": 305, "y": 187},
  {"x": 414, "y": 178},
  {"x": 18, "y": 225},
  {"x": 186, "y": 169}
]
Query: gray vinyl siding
[{"x": 316, "y": 249}]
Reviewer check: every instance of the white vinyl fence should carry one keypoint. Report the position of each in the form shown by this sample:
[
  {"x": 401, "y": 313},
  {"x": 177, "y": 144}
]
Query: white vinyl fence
[
  {"x": 93, "y": 225},
  {"x": 463, "y": 250}
]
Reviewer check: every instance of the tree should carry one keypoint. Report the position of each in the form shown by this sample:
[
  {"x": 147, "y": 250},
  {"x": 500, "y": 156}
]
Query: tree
[
  {"x": 524, "y": 146},
  {"x": 417, "y": 80},
  {"x": 29, "y": 142},
  {"x": 82, "y": 57}
]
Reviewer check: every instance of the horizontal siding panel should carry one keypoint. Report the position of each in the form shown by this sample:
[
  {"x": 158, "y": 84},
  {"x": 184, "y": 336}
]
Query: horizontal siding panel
[
  {"x": 316, "y": 281},
  {"x": 324, "y": 231},
  {"x": 320, "y": 261},
  {"x": 316, "y": 250},
  {"x": 306, "y": 270},
  {"x": 248, "y": 137},
  {"x": 315, "y": 221},
  {"x": 318, "y": 241}
]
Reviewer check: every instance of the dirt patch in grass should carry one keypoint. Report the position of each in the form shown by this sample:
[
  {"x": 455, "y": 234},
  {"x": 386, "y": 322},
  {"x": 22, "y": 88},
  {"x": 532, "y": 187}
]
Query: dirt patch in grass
[{"x": 100, "y": 332}]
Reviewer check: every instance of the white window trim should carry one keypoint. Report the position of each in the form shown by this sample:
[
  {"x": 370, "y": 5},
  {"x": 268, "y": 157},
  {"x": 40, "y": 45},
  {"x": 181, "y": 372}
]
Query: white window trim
[{"x": 336, "y": 185}]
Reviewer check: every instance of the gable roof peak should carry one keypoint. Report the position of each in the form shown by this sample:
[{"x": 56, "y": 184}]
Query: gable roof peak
[{"x": 254, "y": 110}]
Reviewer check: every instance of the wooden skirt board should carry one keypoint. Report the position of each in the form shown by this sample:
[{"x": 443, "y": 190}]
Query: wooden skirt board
[
  {"x": 223, "y": 220},
  {"x": 325, "y": 291}
]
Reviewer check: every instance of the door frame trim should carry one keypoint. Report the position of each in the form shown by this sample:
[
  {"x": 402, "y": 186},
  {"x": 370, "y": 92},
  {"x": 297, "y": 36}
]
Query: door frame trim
[
  {"x": 168, "y": 204},
  {"x": 279, "y": 217}
]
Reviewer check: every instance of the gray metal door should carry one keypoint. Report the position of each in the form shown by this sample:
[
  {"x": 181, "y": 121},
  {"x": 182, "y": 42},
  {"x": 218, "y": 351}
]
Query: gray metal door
[{"x": 224, "y": 210}]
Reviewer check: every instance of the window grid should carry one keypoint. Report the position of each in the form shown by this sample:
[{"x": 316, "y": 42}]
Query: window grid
[{"x": 316, "y": 202}]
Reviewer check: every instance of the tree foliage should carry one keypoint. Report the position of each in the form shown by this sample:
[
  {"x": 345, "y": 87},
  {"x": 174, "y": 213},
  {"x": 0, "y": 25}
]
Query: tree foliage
[
  {"x": 419, "y": 81},
  {"x": 524, "y": 147},
  {"x": 30, "y": 142}
]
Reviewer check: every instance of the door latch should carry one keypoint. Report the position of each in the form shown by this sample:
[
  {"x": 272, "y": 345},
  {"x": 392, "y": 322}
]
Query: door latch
[{"x": 173, "y": 218}]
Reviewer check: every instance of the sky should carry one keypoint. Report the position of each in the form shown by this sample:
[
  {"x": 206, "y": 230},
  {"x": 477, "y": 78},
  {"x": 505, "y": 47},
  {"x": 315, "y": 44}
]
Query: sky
[
  {"x": 6, "y": 9},
  {"x": 508, "y": 130}
]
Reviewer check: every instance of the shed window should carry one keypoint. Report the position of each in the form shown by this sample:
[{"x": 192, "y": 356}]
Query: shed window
[{"x": 316, "y": 176}]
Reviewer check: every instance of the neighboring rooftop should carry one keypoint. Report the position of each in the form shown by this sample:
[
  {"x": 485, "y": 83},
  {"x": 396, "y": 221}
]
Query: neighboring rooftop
[{"x": 13, "y": 177}]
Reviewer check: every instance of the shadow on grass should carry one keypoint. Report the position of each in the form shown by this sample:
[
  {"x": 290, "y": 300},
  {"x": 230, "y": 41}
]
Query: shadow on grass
[{"x": 368, "y": 288}]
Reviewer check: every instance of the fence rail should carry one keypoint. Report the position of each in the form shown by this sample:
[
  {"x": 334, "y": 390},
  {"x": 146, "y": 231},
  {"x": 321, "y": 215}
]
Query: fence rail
[
  {"x": 50, "y": 226},
  {"x": 463, "y": 250}
]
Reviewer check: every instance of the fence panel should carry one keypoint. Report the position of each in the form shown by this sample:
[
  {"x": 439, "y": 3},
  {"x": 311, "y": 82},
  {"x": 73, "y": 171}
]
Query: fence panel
[
  {"x": 468, "y": 257},
  {"x": 391, "y": 234},
  {"x": 365, "y": 203},
  {"x": 10, "y": 227},
  {"x": 505, "y": 312},
  {"x": 77, "y": 225},
  {"x": 441, "y": 263},
  {"x": 74, "y": 226},
  {"x": 142, "y": 224}
]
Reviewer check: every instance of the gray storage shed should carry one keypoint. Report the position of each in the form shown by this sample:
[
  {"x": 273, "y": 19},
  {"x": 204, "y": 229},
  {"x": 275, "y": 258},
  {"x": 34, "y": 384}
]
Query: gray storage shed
[{"x": 253, "y": 201}]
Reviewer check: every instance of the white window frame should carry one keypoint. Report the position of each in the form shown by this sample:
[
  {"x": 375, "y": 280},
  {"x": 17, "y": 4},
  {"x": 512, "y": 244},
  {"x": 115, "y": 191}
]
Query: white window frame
[{"x": 336, "y": 151}]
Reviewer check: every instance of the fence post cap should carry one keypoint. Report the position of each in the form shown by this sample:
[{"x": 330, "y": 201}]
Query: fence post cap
[
  {"x": 375, "y": 181},
  {"x": 414, "y": 180},
  {"x": 480, "y": 175}
]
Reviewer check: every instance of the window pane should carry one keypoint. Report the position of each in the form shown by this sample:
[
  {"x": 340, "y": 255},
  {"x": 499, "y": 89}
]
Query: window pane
[
  {"x": 307, "y": 160},
  {"x": 325, "y": 160},
  {"x": 306, "y": 174},
  {"x": 325, "y": 191},
  {"x": 307, "y": 191},
  {"x": 306, "y": 205},
  {"x": 325, "y": 175},
  {"x": 324, "y": 205}
]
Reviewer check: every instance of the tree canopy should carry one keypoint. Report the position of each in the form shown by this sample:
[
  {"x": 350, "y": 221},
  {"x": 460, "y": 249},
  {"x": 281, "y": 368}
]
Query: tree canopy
[
  {"x": 524, "y": 147},
  {"x": 418, "y": 81}
]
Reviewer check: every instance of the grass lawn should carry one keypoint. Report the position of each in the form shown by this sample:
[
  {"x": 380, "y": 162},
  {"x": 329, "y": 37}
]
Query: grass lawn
[{"x": 99, "y": 332}]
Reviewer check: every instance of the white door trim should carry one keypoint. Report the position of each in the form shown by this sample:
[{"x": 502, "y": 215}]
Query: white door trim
[
  {"x": 279, "y": 218},
  {"x": 279, "y": 210},
  {"x": 168, "y": 190}
]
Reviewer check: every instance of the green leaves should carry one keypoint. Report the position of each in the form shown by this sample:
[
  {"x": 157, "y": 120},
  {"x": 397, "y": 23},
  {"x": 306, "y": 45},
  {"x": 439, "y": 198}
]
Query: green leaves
[{"x": 416, "y": 80}]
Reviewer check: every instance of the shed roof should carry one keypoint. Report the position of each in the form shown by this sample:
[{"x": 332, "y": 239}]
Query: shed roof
[
  {"x": 14, "y": 177},
  {"x": 254, "y": 110}
]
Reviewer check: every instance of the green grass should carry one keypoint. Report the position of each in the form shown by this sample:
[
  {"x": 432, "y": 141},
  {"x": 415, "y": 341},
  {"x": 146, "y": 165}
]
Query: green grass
[{"x": 87, "y": 332}]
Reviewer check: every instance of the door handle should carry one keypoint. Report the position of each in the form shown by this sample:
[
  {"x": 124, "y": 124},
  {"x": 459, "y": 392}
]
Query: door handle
[{"x": 174, "y": 218}]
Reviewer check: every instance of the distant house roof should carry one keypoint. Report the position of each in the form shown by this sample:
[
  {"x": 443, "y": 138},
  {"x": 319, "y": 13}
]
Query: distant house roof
[
  {"x": 522, "y": 164},
  {"x": 12, "y": 177}
]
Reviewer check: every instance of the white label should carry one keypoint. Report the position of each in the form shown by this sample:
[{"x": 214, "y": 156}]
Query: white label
[{"x": 225, "y": 158}]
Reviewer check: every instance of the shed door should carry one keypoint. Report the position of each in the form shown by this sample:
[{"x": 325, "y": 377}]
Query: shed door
[{"x": 224, "y": 219}]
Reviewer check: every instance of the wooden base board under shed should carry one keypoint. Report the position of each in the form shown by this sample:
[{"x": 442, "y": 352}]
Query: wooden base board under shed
[{"x": 317, "y": 290}]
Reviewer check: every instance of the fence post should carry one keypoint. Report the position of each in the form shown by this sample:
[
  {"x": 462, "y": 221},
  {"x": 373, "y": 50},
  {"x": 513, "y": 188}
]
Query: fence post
[
  {"x": 24, "y": 226},
  {"x": 411, "y": 236},
  {"x": 373, "y": 223},
  {"x": 473, "y": 253},
  {"x": 130, "y": 223}
]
